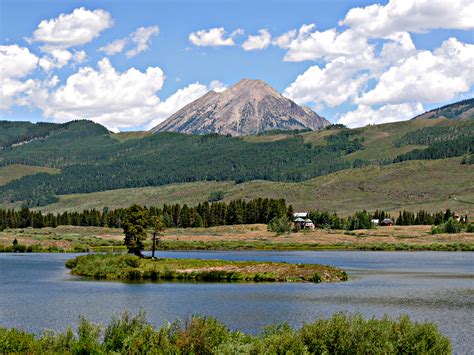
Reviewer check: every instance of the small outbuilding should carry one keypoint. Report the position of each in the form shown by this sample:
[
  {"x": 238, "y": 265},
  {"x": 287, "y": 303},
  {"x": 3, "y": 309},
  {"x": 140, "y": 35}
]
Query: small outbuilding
[
  {"x": 300, "y": 222},
  {"x": 308, "y": 224},
  {"x": 386, "y": 222}
]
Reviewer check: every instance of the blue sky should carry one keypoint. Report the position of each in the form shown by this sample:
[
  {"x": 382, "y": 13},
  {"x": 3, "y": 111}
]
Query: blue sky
[{"x": 366, "y": 69}]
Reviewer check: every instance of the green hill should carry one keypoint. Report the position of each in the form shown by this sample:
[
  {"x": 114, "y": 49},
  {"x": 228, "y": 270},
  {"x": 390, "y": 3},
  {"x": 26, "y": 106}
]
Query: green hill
[
  {"x": 91, "y": 159},
  {"x": 12, "y": 133},
  {"x": 458, "y": 110},
  {"x": 432, "y": 185}
]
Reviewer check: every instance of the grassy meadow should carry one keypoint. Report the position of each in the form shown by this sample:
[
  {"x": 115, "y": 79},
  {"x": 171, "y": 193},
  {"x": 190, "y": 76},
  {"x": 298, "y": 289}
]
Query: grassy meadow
[
  {"x": 241, "y": 237},
  {"x": 16, "y": 171},
  {"x": 431, "y": 185}
]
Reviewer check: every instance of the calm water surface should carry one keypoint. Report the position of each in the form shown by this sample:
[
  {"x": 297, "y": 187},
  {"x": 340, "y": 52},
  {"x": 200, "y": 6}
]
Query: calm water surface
[{"x": 37, "y": 292}]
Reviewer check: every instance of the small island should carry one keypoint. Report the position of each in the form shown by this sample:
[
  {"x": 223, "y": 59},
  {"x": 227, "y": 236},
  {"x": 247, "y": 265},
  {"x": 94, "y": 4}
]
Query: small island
[{"x": 127, "y": 267}]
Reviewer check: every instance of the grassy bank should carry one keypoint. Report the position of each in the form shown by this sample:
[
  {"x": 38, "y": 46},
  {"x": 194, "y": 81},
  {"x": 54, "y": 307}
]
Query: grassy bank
[
  {"x": 240, "y": 237},
  {"x": 262, "y": 245},
  {"x": 128, "y": 267},
  {"x": 342, "y": 334}
]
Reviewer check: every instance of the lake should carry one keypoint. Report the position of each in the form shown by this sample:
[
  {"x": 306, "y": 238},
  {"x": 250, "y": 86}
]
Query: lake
[{"x": 37, "y": 292}]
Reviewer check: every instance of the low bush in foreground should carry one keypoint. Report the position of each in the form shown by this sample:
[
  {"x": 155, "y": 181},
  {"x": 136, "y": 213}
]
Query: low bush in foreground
[{"x": 341, "y": 334}]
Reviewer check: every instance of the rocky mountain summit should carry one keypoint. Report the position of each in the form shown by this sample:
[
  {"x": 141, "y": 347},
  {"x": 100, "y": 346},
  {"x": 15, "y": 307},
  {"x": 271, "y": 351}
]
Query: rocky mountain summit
[{"x": 246, "y": 108}]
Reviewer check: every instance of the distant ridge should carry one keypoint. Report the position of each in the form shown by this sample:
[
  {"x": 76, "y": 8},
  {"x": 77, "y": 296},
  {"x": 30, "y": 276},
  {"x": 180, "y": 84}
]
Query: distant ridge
[
  {"x": 246, "y": 108},
  {"x": 459, "y": 110}
]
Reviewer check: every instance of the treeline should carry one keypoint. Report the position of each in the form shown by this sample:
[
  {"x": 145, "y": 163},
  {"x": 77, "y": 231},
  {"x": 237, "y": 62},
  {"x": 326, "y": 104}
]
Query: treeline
[
  {"x": 258, "y": 210},
  {"x": 440, "y": 150},
  {"x": 454, "y": 110},
  {"x": 407, "y": 218},
  {"x": 16, "y": 132},
  {"x": 363, "y": 219},
  {"x": 436, "y": 134}
]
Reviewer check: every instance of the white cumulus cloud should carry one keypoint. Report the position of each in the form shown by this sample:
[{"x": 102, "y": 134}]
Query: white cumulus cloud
[
  {"x": 426, "y": 76},
  {"x": 15, "y": 92},
  {"x": 285, "y": 39},
  {"x": 142, "y": 37},
  {"x": 213, "y": 37},
  {"x": 257, "y": 42},
  {"x": 15, "y": 63},
  {"x": 105, "y": 95},
  {"x": 114, "y": 47},
  {"x": 309, "y": 44},
  {"x": 74, "y": 29},
  {"x": 179, "y": 99},
  {"x": 217, "y": 86},
  {"x": 58, "y": 58},
  {"x": 410, "y": 16},
  {"x": 330, "y": 86},
  {"x": 115, "y": 99},
  {"x": 365, "y": 115}
]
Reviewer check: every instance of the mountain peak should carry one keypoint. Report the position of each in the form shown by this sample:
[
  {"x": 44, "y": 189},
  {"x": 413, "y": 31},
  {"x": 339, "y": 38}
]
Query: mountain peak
[
  {"x": 248, "y": 107},
  {"x": 247, "y": 82},
  {"x": 253, "y": 85}
]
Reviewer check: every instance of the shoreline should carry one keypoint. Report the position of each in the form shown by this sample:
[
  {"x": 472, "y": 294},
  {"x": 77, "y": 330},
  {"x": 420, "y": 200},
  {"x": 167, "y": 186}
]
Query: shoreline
[{"x": 232, "y": 246}]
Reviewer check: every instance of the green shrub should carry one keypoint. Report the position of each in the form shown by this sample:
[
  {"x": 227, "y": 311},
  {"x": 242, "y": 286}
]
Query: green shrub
[
  {"x": 60, "y": 343},
  {"x": 121, "y": 331},
  {"x": 280, "y": 225},
  {"x": 216, "y": 196},
  {"x": 316, "y": 278},
  {"x": 341, "y": 334},
  {"x": 71, "y": 263},
  {"x": 131, "y": 260},
  {"x": 19, "y": 248},
  {"x": 452, "y": 226},
  {"x": 280, "y": 339},
  {"x": 134, "y": 275},
  {"x": 15, "y": 341},
  {"x": 88, "y": 338},
  {"x": 470, "y": 228},
  {"x": 344, "y": 334},
  {"x": 199, "y": 335}
]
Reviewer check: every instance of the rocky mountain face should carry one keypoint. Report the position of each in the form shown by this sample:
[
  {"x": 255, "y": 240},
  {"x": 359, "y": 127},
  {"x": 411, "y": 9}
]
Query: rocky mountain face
[{"x": 248, "y": 107}]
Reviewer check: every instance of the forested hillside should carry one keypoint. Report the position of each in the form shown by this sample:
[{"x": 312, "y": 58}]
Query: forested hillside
[
  {"x": 92, "y": 159},
  {"x": 459, "y": 110},
  {"x": 17, "y": 132},
  {"x": 432, "y": 185}
]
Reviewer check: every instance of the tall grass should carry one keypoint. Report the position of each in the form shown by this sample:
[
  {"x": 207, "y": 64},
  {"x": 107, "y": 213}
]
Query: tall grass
[{"x": 341, "y": 334}]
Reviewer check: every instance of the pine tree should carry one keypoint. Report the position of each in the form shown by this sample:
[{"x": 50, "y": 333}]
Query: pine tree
[
  {"x": 135, "y": 229},
  {"x": 159, "y": 227}
]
